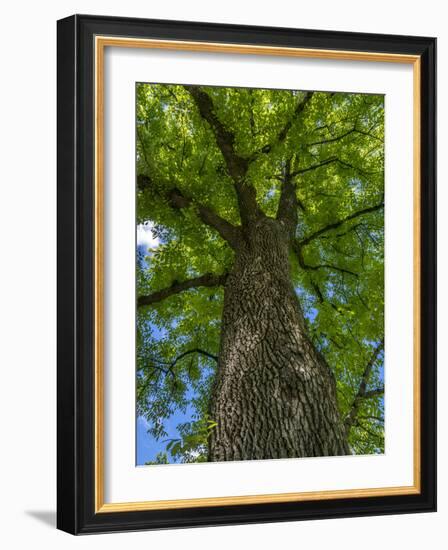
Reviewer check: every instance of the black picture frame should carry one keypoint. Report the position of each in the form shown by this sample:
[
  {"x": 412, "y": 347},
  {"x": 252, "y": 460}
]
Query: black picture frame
[{"x": 76, "y": 271}]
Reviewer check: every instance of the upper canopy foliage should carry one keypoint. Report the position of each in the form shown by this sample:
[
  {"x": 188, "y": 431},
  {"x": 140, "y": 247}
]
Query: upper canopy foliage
[{"x": 333, "y": 146}]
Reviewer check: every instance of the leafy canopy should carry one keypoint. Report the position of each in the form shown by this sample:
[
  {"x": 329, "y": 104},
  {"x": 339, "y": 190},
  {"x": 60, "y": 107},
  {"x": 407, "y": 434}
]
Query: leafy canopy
[{"x": 334, "y": 144}]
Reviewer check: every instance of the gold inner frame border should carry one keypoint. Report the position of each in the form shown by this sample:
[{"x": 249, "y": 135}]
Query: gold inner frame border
[{"x": 101, "y": 42}]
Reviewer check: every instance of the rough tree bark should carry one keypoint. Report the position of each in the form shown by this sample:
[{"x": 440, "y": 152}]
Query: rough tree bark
[{"x": 274, "y": 396}]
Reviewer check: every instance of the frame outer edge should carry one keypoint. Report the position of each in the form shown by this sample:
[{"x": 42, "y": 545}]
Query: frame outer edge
[
  {"x": 67, "y": 451},
  {"x": 76, "y": 513},
  {"x": 429, "y": 272}
]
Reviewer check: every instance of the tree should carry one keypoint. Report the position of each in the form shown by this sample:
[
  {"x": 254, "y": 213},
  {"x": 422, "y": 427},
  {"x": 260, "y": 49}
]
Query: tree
[{"x": 260, "y": 312}]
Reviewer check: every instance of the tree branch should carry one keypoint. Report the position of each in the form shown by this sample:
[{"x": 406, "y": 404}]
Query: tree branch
[
  {"x": 281, "y": 136},
  {"x": 228, "y": 231},
  {"x": 330, "y": 160},
  {"x": 338, "y": 223},
  {"x": 342, "y": 136},
  {"x": 331, "y": 267},
  {"x": 225, "y": 139},
  {"x": 287, "y": 204},
  {"x": 362, "y": 392},
  {"x": 144, "y": 182},
  {"x": 177, "y": 199},
  {"x": 195, "y": 350},
  {"x": 344, "y": 233},
  {"x": 331, "y": 140},
  {"x": 372, "y": 417},
  {"x": 374, "y": 393},
  {"x": 207, "y": 280},
  {"x": 318, "y": 291},
  {"x": 237, "y": 165},
  {"x": 168, "y": 368},
  {"x": 297, "y": 248},
  {"x": 368, "y": 432}
]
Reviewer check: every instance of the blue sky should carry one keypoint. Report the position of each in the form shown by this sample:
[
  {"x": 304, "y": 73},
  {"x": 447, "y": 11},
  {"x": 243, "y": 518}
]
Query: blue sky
[{"x": 147, "y": 447}]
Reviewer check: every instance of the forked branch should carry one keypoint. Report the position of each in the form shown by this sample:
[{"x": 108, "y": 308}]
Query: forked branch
[
  {"x": 228, "y": 231},
  {"x": 178, "y": 200}
]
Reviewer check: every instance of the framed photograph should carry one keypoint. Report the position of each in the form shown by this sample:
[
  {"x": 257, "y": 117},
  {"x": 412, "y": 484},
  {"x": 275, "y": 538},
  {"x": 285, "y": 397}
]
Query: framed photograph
[{"x": 246, "y": 274}]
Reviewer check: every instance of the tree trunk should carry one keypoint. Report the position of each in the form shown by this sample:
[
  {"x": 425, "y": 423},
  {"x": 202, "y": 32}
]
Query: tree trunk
[{"x": 274, "y": 395}]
